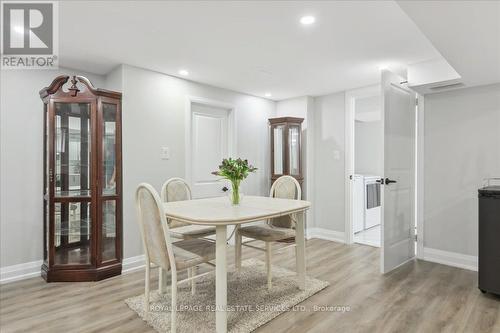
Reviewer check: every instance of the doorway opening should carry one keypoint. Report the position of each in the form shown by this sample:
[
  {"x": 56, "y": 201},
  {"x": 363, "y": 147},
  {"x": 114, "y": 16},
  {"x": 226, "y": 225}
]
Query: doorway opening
[{"x": 368, "y": 166}]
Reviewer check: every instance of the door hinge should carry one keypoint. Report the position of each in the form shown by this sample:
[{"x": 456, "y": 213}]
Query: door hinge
[
  {"x": 416, "y": 237},
  {"x": 416, "y": 101}
]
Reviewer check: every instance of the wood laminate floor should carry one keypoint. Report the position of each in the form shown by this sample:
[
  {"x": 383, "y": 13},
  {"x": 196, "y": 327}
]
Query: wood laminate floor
[{"x": 418, "y": 297}]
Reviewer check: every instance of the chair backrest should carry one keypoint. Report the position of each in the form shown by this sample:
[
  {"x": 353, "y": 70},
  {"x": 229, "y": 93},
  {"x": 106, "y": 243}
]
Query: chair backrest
[
  {"x": 175, "y": 189},
  {"x": 285, "y": 187},
  {"x": 154, "y": 229}
]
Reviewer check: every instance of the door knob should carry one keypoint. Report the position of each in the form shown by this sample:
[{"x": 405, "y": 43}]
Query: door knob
[
  {"x": 225, "y": 189},
  {"x": 389, "y": 181}
]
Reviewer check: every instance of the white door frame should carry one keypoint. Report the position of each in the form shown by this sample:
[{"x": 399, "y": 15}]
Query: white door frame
[
  {"x": 350, "y": 97},
  {"x": 231, "y": 130},
  {"x": 419, "y": 171}
]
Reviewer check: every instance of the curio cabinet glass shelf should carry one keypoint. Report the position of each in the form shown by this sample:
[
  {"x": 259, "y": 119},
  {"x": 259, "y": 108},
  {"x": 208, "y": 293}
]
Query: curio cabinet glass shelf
[{"x": 82, "y": 194}]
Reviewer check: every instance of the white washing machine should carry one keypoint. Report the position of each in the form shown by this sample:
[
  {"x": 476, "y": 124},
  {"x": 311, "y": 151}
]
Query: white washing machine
[
  {"x": 358, "y": 203},
  {"x": 371, "y": 202}
]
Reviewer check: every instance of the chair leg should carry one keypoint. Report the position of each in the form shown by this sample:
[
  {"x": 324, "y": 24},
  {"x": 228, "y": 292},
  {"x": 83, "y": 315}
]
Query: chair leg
[
  {"x": 268, "y": 264},
  {"x": 173, "y": 312},
  {"x": 146, "y": 289},
  {"x": 193, "y": 281},
  {"x": 162, "y": 280},
  {"x": 237, "y": 249}
]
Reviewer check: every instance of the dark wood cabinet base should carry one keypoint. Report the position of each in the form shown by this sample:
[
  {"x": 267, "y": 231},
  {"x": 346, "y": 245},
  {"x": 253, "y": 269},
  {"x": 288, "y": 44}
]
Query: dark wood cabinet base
[{"x": 81, "y": 275}]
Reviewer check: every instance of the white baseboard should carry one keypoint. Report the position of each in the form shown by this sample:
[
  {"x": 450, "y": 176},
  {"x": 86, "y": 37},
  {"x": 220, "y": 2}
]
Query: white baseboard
[
  {"x": 32, "y": 269},
  {"x": 133, "y": 264},
  {"x": 451, "y": 258},
  {"x": 20, "y": 271},
  {"x": 321, "y": 233}
]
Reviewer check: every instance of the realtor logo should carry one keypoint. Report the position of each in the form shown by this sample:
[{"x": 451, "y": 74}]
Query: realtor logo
[{"x": 29, "y": 35}]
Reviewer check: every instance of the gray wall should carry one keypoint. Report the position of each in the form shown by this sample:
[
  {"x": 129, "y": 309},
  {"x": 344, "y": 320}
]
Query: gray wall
[
  {"x": 329, "y": 128},
  {"x": 21, "y": 154},
  {"x": 368, "y": 148},
  {"x": 462, "y": 146}
]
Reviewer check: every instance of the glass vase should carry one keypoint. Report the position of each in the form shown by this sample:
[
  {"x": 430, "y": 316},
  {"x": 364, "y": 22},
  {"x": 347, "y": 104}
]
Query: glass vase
[{"x": 235, "y": 196}]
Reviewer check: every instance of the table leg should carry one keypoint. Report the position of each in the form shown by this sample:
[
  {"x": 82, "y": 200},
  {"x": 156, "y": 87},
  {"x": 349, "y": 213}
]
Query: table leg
[
  {"x": 300, "y": 250},
  {"x": 237, "y": 249},
  {"x": 220, "y": 279}
]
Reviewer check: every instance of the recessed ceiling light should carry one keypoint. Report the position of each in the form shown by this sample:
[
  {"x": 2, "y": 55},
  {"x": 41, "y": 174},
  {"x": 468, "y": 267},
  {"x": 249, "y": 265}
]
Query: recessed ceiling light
[
  {"x": 183, "y": 72},
  {"x": 382, "y": 67},
  {"x": 267, "y": 94},
  {"x": 306, "y": 20}
]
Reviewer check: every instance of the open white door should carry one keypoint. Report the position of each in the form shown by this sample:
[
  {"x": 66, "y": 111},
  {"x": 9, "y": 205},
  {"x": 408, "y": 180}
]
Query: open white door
[{"x": 398, "y": 194}]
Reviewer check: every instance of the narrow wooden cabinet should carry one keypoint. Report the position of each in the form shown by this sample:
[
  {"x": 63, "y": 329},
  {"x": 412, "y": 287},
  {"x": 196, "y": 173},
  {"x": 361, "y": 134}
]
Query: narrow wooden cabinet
[
  {"x": 285, "y": 147},
  {"x": 82, "y": 193}
]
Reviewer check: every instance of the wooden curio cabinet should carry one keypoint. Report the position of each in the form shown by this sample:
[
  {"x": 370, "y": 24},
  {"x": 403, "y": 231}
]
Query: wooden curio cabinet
[
  {"x": 285, "y": 147},
  {"x": 82, "y": 181}
]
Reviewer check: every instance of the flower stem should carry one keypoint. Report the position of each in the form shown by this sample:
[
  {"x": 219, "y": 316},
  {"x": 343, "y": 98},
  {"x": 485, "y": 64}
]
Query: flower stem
[{"x": 236, "y": 192}]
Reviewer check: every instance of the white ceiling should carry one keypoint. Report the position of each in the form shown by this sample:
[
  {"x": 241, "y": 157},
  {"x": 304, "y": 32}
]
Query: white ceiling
[
  {"x": 466, "y": 33},
  {"x": 259, "y": 46},
  {"x": 252, "y": 47}
]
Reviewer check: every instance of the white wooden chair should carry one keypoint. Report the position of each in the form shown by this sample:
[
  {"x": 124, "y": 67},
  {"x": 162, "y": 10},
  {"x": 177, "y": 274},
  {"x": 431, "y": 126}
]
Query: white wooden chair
[
  {"x": 177, "y": 189},
  {"x": 161, "y": 252},
  {"x": 275, "y": 229}
]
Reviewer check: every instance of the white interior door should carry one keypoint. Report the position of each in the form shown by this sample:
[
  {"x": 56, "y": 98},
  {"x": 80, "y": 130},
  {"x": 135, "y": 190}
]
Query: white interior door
[
  {"x": 209, "y": 145},
  {"x": 398, "y": 226}
]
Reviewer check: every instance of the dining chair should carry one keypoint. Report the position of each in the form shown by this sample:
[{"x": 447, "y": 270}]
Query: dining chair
[
  {"x": 276, "y": 229},
  {"x": 161, "y": 252},
  {"x": 177, "y": 189}
]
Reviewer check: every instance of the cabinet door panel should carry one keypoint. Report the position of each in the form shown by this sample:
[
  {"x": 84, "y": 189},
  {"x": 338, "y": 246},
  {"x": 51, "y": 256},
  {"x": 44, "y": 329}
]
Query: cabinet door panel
[
  {"x": 294, "y": 150},
  {"x": 73, "y": 229},
  {"x": 279, "y": 149},
  {"x": 72, "y": 150},
  {"x": 108, "y": 231},
  {"x": 108, "y": 128}
]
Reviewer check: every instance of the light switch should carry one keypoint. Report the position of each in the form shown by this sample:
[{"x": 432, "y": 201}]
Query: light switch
[
  {"x": 336, "y": 155},
  {"x": 165, "y": 153}
]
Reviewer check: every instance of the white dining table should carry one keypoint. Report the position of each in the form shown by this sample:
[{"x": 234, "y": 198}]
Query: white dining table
[{"x": 220, "y": 213}]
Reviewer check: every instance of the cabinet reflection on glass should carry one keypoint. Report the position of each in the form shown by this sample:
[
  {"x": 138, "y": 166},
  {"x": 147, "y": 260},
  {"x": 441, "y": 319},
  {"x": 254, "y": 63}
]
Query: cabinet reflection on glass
[
  {"x": 285, "y": 147},
  {"x": 82, "y": 183}
]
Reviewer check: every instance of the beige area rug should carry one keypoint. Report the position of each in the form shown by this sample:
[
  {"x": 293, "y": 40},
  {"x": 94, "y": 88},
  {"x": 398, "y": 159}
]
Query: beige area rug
[{"x": 250, "y": 304}]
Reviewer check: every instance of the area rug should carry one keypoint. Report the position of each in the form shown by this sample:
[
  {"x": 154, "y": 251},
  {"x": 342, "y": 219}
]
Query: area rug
[{"x": 250, "y": 303}]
